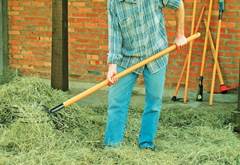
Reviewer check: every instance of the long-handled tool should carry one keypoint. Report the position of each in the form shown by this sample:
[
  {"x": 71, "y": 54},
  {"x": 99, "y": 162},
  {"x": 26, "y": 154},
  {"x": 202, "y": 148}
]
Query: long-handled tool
[
  {"x": 221, "y": 9},
  {"x": 174, "y": 98},
  {"x": 223, "y": 87},
  {"x": 190, "y": 52},
  {"x": 200, "y": 90},
  {"x": 119, "y": 75}
]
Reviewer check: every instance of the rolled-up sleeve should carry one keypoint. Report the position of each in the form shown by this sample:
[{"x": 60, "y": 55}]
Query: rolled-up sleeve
[
  {"x": 173, "y": 4},
  {"x": 114, "y": 38}
]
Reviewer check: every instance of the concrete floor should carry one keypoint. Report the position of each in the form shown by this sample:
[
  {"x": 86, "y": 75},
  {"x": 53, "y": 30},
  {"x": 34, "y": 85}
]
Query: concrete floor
[{"x": 100, "y": 97}]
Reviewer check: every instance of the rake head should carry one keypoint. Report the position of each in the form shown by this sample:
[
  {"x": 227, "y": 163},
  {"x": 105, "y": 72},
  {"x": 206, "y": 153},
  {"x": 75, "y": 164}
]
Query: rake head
[
  {"x": 54, "y": 109},
  {"x": 224, "y": 89}
]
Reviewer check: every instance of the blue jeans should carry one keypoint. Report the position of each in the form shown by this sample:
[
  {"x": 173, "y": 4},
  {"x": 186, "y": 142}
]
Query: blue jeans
[{"x": 118, "y": 101}]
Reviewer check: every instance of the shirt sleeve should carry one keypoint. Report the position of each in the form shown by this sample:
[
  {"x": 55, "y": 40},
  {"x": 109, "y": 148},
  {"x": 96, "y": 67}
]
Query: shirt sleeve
[
  {"x": 114, "y": 38},
  {"x": 173, "y": 4}
]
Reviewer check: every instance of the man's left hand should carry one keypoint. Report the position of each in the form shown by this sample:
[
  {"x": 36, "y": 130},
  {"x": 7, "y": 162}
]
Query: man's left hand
[{"x": 180, "y": 41}]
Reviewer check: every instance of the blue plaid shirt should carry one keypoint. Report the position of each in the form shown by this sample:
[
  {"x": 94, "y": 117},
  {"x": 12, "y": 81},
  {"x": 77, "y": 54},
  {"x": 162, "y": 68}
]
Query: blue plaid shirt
[{"x": 137, "y": 31}]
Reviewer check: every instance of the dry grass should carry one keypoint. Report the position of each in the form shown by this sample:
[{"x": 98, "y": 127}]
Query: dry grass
[{"x": 187, "y": 135}]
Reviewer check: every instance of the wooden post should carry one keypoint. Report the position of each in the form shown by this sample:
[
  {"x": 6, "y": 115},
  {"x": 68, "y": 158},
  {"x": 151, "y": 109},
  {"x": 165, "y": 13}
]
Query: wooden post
[
  {"x": 59, "y": 66},
  {"x": 238, "y": 109},
  {"x": 236, "y": 113},
  {"x": 3, "y": 36}
]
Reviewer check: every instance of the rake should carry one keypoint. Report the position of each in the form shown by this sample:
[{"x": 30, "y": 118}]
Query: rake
[{"x": 119, "y": 75}]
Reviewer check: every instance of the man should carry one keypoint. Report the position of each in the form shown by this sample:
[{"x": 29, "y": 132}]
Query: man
[{"x": 137, "y": 31}]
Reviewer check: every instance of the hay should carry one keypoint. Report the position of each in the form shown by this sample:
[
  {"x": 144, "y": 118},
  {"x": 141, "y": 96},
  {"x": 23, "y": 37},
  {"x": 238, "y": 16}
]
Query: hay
[
  {"x": 202, "y": 135},
  {"x": 8, "y": 75}
]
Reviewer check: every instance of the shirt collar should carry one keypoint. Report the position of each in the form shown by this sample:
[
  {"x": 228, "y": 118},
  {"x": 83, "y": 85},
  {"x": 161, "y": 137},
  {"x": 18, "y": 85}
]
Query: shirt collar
[{"x": 130, "y": 1}]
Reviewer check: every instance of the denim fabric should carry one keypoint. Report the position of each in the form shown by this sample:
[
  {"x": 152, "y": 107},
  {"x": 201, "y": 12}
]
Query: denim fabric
[
  {"x": 137, "y": 31},
  {"x": 118, "y": 102}
]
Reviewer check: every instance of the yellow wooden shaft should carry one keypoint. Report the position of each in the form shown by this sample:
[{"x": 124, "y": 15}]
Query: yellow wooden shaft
[
  {"x": 181, "y": 76},
  {"x": 215, "y": 64},
  {"x": 213, "y": 53},
  {"x": 190, "y": 53},
  {"x": 85, "y": 93},
  {"x": 200, "y": 19},
  {"x": 206, "y": 37},
  {"x": 125, "y": 72}
]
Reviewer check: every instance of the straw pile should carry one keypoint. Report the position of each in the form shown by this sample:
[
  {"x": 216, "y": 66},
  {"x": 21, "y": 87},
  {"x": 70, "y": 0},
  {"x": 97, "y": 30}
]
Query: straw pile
[{"x": 29, "y": 135}]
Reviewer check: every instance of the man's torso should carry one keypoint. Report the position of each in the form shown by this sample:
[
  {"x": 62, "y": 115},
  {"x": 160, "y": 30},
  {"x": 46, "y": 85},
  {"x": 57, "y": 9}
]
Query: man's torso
[{"x": 142, "y": 26}]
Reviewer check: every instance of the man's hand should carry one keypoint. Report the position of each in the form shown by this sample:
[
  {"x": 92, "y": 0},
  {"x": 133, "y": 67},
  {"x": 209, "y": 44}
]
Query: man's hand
[
  {"x": 180, "y": 41},
  {"x": 112, "y": 71}
]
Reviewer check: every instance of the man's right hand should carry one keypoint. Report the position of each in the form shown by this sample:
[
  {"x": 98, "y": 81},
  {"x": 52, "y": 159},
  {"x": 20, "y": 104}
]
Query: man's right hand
[{"x": 112, "y": 71}]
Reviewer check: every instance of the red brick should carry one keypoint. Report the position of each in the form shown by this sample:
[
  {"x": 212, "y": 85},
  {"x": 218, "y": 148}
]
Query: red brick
[{"x": 30, "y": 40}]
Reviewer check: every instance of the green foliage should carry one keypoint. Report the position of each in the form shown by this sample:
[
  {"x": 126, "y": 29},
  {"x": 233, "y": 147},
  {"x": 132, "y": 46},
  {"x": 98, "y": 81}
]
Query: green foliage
[{"x": 29, "y": 135}]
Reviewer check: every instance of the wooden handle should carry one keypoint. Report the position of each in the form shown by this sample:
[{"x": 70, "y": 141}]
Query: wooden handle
[
  {"x": 181, "y": 76},
  {"x": 200, "y": 18},
  {"x": 125, "y": 72},
  {"x": 213, "y": 53},
  {"x": 185, "y": 97},
  {"x": 206, "y": 38},
  {"x": 154, "y": 57},
  {"x": 215, "y": 64}
]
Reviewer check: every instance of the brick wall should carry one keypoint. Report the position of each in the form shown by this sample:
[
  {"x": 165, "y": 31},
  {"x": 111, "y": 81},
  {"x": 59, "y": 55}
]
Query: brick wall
[
  {"x": 30, "y": 40},
  {"x": 88, "y": 39},
  {"x": 30, "y": 36}
]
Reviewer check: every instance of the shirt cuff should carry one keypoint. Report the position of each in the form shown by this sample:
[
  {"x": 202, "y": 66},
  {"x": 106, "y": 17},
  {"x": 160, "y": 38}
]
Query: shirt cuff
[
  {"x": 173, "y": 4},
  {"x": 114, "y": 58}
]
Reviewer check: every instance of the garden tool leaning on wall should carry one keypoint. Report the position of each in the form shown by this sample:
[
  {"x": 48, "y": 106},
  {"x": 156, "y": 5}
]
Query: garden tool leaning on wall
[
  {"x": 200, "y": 90},
  {"x": 190, "y": 52},
  {"x": 223, "y": 87},
  {"x": 119, "y": 75},
  {"x": 221, "y": 9}
]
